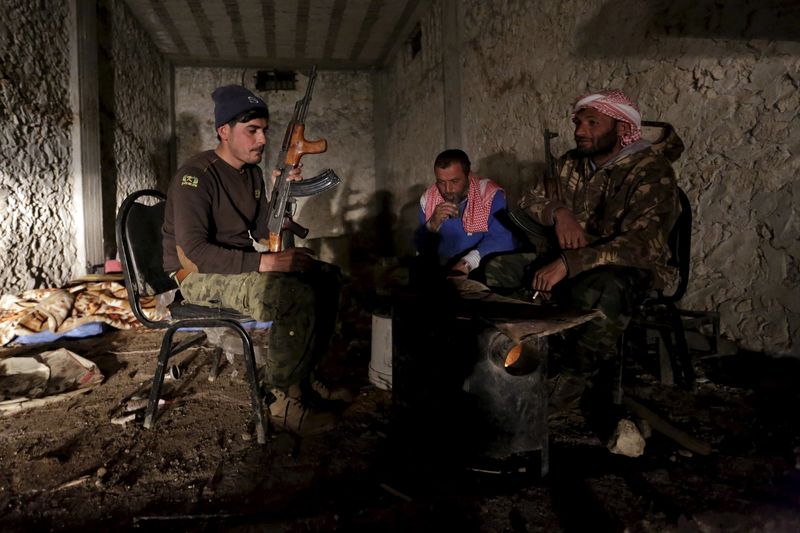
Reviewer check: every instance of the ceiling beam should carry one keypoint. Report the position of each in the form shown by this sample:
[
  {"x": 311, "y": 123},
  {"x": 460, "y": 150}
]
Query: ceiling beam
[
  {"x": 301, "y": 32},
  {"x": 204, "y": 25},
  {"x": 373, "y": 11},
  {"x": 268, "y": 14},
  {"x": 239, "y": 40},
  {"x": 333, "y": 28},
  {"x": 169, "y": 24}
]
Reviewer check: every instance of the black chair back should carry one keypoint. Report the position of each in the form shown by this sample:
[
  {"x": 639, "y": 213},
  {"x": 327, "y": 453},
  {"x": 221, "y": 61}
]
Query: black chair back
[
  {"x": 680, "y": 245},
  {"x": 139, "y": 241}
]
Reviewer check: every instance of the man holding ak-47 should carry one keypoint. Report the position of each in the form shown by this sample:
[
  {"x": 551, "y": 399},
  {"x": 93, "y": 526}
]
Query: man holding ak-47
[
  {"x": 600, "y": 223},
  {"x": 216, "y": 210}
]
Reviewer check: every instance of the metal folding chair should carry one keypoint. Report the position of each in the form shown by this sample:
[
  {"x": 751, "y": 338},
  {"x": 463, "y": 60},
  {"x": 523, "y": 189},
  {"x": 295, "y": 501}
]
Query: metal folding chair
[
  {"x": 138, "y": 226},
  {"x": 660, "y": 313}
]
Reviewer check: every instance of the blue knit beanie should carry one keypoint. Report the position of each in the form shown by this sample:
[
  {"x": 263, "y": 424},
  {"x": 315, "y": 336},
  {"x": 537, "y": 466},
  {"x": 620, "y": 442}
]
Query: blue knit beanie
[{"x": 232, "y": 100}]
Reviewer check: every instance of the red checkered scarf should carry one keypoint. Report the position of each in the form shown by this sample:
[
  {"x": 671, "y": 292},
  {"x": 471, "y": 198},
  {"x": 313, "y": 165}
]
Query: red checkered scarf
[
  {"x": 615, "y": 104},
  {"x": 479, "y": 206}
]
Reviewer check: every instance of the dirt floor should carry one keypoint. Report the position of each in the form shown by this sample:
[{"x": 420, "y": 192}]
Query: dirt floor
[{"x": 67, "y": 466}]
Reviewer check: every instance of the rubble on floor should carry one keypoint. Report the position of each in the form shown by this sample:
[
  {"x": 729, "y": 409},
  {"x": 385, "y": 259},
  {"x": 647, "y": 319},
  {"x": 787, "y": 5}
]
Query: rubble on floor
[{"x": 68, "y": 465}]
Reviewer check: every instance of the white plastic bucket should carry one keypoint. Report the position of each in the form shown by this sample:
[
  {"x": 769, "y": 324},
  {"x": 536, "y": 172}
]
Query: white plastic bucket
[{"x": 380, "y": 365}]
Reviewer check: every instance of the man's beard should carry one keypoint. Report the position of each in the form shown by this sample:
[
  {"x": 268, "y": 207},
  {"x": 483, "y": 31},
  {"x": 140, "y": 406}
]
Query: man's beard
[
  {"x": 454, "y": 197},
  {"x": 602, "y": 145}
]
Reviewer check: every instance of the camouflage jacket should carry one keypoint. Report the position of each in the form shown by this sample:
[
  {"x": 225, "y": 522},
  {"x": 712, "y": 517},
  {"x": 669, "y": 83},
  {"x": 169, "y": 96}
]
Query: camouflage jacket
[{"x": 627, "y": 207}]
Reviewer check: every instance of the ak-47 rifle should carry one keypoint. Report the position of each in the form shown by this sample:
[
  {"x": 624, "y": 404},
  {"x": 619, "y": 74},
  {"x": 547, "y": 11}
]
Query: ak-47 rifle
[
  {"x": 551, "y": 187},
  {"x": 294, "y": 147}
]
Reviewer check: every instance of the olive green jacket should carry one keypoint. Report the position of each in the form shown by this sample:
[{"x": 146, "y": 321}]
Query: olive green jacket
[{"x": 627, "y": 207}]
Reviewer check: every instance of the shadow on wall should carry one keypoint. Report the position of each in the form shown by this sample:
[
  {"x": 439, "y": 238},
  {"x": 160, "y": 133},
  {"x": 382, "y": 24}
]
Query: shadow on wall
[
  {"x": 638, "y": 28},
  {"x": 513, "y": 175},
  {"x": 191, "y": 141},
  {"x": 408, "y": 221},
  {"x": 366, "y": 242},
  {"x": 157, "y": 161}
]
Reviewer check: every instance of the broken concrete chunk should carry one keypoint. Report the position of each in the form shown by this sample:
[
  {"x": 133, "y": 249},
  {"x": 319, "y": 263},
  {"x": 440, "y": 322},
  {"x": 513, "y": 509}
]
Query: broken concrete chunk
[{"x": 626, "y": 440}]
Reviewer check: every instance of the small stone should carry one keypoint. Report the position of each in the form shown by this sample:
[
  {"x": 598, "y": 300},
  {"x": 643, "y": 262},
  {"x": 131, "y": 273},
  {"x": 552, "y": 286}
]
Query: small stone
[
  {"x": 626, "y": 440},
  {"x": 101, "y": 472},
  {"x": 684, "y": 453},
  {"x": 246, "y": 436}
]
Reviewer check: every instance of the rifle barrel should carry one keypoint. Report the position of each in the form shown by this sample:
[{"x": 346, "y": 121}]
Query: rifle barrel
[{"x": 312, "y": 77}]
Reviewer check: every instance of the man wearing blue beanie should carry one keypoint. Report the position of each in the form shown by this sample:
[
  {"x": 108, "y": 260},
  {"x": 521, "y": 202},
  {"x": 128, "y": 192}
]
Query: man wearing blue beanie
[{"x": 214, "y": 223}]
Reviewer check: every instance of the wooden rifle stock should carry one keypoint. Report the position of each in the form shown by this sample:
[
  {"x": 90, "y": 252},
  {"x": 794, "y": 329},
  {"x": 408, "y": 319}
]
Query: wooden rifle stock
[{"x": 300, "y": 146}]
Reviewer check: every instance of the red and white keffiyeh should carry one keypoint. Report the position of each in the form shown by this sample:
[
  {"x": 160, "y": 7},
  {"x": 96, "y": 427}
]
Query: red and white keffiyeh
[
  {"x": 479, "y": 203},
  {"x": 615, "y": 104}
]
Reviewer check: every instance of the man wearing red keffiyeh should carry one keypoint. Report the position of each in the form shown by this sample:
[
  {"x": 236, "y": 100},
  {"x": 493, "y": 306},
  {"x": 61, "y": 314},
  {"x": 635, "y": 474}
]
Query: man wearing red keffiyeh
[
  {"x": 600, "y": 231},
  {"x": 458, "y": 216}
]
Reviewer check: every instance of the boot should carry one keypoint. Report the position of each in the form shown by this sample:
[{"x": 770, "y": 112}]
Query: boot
[
  {"x": 331, "y": 394},
  {"x": 289, "y": 412}
]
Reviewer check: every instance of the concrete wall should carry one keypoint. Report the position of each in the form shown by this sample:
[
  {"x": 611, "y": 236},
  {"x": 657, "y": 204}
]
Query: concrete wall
[
  {"x": 410, "y": 125},
  {"x": 724, "y": 74},
  {"x": 37, "y": 239},
  {"x": 134, "y": 85},
  {"x": 340, "y": 111}
]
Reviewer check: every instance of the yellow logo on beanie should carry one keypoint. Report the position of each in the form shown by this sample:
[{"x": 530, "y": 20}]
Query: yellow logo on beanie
[{"x": 190, "y": 181}]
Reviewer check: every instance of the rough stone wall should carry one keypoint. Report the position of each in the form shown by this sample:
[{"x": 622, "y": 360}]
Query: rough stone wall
[
  {"x": 141, "y": 106},
  {"x": 37, "y": 244},
  {"x": 340, "y": 111},
  {"x": 726, "y": 75},
  {"x": 134, "y": 110},
  {"x": 37, "y": 241},
  {"x": 412, "y": 128}
]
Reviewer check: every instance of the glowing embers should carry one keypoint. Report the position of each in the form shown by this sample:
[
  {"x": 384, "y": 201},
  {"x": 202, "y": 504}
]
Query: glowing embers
[
  {"x": 513, "y": 355},
  {"x": 515, "y": 358}
]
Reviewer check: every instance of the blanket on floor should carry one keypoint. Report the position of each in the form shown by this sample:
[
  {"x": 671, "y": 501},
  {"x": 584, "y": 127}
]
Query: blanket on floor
[{"x": 61, "y": 310}]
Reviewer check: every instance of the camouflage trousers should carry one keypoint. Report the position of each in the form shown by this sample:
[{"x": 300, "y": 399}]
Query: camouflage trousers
[
  {"x": 613, "y": 290},
  {"x": 301, "y": 306}
]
